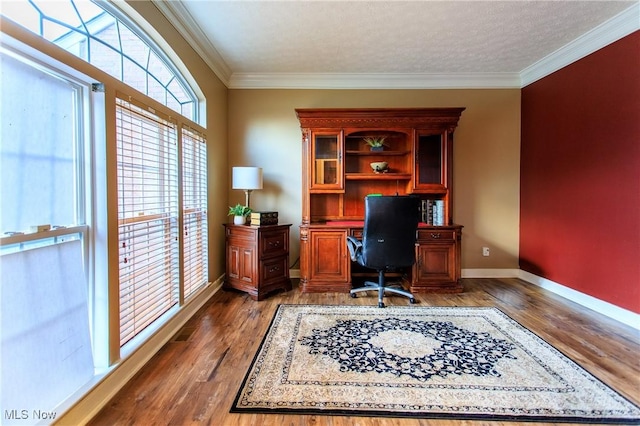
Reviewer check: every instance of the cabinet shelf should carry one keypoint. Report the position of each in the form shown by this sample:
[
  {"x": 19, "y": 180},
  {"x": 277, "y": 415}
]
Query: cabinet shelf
[
  {"x": 377, "y": 176},
  {"x": 378, "y": 153}
]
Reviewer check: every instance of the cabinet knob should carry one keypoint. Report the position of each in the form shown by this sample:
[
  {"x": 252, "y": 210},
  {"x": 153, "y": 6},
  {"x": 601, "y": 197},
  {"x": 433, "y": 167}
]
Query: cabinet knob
[
  {"x": 274, "y": 269},
  {"x": 435, "y": 236},
  {"x": 274, "y": 244}
]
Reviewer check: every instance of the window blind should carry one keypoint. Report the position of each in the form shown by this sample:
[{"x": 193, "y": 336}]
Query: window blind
[
  {"x": 147, "y": 216},
  {"x": 194, "y": 196}
]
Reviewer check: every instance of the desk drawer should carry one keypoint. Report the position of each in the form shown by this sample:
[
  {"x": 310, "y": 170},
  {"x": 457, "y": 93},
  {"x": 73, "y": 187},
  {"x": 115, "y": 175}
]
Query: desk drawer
[{"x": 445, "y": 235}]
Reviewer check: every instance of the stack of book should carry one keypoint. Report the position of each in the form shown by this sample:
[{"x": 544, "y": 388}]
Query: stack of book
[
  {"x": 433, "y": 212},
  {"x": 264, "y": 218}
]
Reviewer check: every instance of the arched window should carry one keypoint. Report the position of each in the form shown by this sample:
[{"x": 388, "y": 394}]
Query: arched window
[
  {"x": 99, "y": 34},
  {"x": 58, "y": 144}
]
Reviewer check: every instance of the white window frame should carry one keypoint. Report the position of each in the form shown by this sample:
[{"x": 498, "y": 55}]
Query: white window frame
[
  {"x": 102, "y": 235},
  {"x": 86, "y": 108}
]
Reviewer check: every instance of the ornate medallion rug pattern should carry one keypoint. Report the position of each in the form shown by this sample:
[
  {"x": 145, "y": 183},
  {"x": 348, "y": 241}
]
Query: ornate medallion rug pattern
[{"x": 423, "y": 362}]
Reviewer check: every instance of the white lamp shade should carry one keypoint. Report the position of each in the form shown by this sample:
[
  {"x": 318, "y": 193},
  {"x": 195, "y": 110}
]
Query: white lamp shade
[{"x": 246, "y": 178}]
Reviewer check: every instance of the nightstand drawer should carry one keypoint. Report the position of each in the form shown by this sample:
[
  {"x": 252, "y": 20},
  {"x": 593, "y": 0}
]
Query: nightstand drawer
[
  {"x": 274, "y": 243},
  {"x": 274, "y": 269},
  {"x": 436, "y": 235}
]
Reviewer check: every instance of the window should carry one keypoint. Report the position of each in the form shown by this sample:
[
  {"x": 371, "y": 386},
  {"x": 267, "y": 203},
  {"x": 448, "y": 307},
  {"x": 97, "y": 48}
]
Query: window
[
  {"x": 45, "y": 332},
  {"x": 100, "y": 35},
  {"x": 62, "y": 163},
  {"x": 194, "y": 174},
  {"x": 147, "y": 216},
  {"x": 42, "y": 149}
]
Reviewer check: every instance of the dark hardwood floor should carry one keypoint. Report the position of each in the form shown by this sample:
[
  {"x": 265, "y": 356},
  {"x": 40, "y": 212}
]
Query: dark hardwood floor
[{"x": 193, "y": 379}]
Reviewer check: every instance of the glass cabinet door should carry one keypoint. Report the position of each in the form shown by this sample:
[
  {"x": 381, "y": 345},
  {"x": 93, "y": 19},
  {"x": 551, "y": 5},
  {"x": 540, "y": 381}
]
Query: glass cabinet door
[
  {"x": 430, "y": 164},
  {"x": 327, "y": 161}
]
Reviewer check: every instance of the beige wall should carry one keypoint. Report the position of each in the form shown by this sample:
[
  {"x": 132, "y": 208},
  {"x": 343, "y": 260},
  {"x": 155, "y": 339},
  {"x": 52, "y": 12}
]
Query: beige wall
[
  {"x": 259, "y": 127},
  {"x": 264, "y": 131}
]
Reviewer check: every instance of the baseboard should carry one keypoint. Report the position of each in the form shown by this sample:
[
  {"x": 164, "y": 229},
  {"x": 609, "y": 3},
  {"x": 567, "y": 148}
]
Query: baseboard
[
  {"x": 90, "y": 401},
  {"x": 490, "y": 273},
  {"x": 605, "y": 308}
]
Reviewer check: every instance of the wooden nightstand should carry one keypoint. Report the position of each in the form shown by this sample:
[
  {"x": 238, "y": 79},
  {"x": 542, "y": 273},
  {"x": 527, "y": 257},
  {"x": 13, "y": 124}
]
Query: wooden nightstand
[{"x": 257, "y": 259}]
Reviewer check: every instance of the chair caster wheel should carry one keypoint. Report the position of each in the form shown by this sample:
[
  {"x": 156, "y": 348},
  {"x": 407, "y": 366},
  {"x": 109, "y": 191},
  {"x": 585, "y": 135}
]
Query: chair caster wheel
[
  {"x": 380, "y": 305},
  {"x": 353, "y": 295},
  {"x": 412, "y": 300}
]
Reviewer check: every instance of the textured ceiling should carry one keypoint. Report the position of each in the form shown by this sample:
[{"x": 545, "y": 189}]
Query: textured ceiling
[{"x": 385, "y": 37}]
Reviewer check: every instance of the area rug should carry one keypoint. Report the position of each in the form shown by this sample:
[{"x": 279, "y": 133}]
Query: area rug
[{"x": 420, "y": 362}]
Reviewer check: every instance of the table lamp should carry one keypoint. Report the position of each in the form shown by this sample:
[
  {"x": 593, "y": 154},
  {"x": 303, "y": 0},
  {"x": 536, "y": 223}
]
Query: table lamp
[{"x": 247, "y": 179}]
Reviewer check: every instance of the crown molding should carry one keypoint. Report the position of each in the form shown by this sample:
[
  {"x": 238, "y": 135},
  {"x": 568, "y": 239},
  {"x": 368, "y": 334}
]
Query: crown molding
[
  {"x": 621, "y": 25},
  {"x": 372, "y": 81},
  {"x": 181, "y": 19}
]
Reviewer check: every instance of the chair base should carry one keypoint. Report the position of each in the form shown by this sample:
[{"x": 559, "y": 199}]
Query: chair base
[{"x": 382, "y": 289}]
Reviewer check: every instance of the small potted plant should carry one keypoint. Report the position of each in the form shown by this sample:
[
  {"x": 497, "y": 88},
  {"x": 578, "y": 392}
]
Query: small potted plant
[
  {"x": 375, "y": 142},
  {"x": 239, "y": 213}
]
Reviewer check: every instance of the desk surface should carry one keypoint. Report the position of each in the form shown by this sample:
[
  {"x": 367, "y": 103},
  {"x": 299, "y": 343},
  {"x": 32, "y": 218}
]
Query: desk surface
[{"x": 360, "y": 224}]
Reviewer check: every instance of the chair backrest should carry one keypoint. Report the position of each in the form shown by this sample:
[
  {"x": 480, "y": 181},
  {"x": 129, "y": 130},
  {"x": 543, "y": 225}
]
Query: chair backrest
[{"x": 389, "y": 235}]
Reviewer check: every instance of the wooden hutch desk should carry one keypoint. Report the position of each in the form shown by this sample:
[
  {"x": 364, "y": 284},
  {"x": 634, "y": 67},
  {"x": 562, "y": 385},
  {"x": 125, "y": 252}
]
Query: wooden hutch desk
[{"x": 337, "y": 175}]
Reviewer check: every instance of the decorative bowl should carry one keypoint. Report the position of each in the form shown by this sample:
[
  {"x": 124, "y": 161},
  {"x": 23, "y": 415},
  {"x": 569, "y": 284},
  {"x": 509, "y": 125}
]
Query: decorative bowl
[{"x": 379, "y": 166}]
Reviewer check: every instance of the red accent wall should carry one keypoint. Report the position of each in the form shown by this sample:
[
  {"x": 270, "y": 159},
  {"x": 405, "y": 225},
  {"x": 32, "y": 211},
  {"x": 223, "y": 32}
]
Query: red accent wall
[{"x": 580, "y": 175}]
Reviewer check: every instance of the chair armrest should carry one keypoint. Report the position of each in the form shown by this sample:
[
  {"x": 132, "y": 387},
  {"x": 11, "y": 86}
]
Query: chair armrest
[{"x": 355, "y": 247}]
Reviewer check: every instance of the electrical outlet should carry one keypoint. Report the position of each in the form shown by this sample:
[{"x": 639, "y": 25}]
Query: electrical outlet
[{"x": 485, "y": 251}]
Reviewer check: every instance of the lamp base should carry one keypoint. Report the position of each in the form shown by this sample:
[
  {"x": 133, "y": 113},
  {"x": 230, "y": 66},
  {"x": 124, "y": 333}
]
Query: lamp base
[{"x": 247, "y": 197}]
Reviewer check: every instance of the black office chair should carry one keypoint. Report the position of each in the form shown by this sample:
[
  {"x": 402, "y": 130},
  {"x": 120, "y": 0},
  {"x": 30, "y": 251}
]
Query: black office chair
[{"x": 388, "y": 240}]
